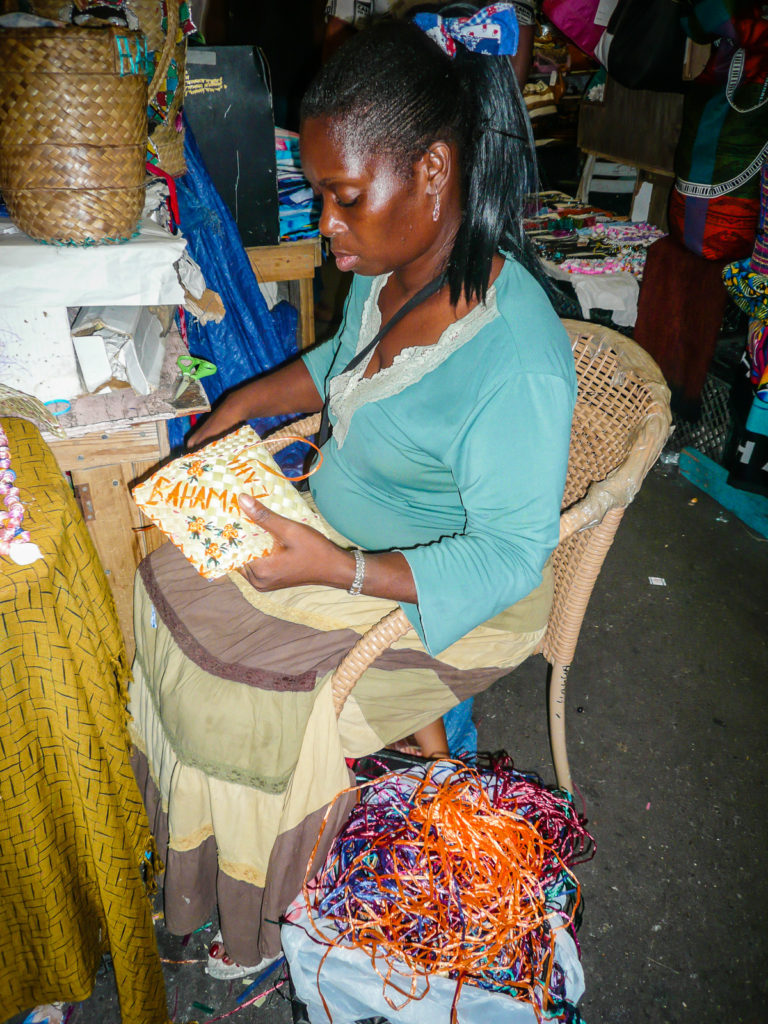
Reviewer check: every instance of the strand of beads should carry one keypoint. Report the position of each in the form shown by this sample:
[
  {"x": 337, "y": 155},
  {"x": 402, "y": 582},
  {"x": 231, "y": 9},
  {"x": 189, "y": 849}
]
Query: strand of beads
[
  {"x": 629, "y": 233},
  {"x": 15, "y": 542},
  {"x": 623, "y": 260}
]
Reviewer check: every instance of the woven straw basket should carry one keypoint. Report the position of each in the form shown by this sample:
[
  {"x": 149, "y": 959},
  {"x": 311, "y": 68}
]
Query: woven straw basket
[{"x": 73, "y": 132}]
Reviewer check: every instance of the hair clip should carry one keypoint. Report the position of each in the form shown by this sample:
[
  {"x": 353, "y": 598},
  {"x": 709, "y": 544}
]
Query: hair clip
[{"x": 500, "y": 131}]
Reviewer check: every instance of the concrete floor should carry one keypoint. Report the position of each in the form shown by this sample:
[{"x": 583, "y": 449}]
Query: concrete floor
[{"x": 667, "y": 727}]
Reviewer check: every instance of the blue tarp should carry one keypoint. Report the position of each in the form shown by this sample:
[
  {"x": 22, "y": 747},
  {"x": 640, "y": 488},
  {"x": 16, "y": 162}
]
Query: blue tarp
[
  {"x": 461, "y": 731},
  {"x": 250, "y": 339}
]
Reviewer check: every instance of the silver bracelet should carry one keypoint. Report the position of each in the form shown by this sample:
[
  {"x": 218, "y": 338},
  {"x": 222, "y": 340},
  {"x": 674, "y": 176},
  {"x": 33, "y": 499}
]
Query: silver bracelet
[{"x": 357, "y": 582}]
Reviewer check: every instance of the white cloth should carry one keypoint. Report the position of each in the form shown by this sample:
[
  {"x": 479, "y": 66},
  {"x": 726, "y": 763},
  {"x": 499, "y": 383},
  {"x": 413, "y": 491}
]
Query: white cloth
[
  {"x": 618, "y": 292},
  {"x": 360, "y": 12},
  {"x": 140, "y": 272}
]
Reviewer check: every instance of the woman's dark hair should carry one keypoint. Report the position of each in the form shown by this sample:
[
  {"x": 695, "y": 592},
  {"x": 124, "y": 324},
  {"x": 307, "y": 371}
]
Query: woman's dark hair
[{"x": 396, "y": 92}]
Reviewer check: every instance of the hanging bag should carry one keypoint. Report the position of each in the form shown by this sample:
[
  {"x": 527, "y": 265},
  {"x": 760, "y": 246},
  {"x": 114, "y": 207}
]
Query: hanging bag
[
  {"x": 715, "y": 203},
  {"x": 643, "y": 46},
  {"x": 168, "y": 47},
  {"x": 581, "y": 21}
]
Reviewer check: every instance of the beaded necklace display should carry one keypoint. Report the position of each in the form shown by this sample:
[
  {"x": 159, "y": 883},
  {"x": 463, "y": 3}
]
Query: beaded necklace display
[{"x": 15, "y": 542}]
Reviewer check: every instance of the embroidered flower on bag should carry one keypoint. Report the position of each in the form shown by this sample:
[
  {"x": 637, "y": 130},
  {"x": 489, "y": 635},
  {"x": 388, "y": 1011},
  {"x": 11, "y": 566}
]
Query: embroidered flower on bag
[
  {"x": 230, "y": 533},
  {"x": 213, "y": 552},
  {"x": 196, "y": 468},
  {"x": 196, "y": 526}
]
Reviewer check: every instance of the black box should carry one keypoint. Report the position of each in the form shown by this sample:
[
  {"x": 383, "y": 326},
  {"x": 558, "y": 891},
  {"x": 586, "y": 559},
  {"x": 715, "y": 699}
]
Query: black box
[{"x": 229, "y": 108}]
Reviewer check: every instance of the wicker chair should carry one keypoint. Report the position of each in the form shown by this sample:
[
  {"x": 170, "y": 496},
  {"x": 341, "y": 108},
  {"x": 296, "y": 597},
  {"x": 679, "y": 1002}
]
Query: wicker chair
[{"x": 620, "y": 424}]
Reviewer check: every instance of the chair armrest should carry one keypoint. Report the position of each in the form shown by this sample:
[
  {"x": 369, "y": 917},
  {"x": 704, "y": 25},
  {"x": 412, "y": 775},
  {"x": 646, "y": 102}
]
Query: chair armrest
[
  {"x": 621, "y": 486},
  {"x": 383, "y": 633},
  {"x": 367, "y": 649}
]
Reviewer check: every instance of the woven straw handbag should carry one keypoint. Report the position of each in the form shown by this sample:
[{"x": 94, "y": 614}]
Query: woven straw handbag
[
  {"x": 164, "y": 46},
  {"x": 73, "y": 132},
  {"x": 168, "y": 137}
]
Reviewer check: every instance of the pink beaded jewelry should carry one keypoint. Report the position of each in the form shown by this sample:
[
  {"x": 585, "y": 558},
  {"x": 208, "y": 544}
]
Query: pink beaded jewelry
[{"x": 11, "y": 517}]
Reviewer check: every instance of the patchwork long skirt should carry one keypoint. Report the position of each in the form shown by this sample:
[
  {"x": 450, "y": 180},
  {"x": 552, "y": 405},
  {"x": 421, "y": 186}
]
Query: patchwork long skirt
[{"x": 238, "y": 749}]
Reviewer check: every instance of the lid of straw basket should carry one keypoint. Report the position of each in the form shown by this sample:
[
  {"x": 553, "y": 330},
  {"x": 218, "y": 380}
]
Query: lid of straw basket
[{"x": 72, "y": 50}]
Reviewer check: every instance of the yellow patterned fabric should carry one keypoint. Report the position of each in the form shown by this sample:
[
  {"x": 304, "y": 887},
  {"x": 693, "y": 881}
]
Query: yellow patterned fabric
[{"x": 74, "y": 838}]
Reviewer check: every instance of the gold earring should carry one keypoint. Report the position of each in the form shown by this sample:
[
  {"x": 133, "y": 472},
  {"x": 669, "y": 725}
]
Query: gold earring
[{"x": 436, "y": 210}]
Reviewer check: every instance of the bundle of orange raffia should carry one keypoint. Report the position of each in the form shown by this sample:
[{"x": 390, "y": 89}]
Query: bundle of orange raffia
[{"x": 459, "y": 871}]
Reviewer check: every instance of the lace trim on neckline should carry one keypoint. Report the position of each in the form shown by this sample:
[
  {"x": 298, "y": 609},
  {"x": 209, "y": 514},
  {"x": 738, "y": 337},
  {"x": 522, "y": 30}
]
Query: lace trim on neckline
[{"x": 349, "y": 391}]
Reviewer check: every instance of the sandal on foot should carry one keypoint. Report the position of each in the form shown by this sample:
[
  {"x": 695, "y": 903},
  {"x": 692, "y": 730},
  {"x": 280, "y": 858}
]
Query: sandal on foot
[
  {"x": 407, "y": 746},
  {"x": 223, "y": 968}
]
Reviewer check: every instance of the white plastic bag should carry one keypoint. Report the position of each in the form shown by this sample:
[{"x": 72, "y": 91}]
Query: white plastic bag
[{"x": 353, "y": 990}]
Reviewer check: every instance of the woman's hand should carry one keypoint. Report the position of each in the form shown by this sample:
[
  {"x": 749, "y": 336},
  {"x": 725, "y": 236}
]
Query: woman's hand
[
  {"x": 300, "y": 554},
  {"x": 287, "y": 390},
  {"x": 224, "y": 418}
]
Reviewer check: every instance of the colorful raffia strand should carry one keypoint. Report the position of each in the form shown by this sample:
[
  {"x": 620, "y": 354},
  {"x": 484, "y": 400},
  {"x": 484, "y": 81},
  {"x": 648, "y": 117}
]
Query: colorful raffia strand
[
  {"x": 457, "y": 871},
  {"x": 15, "y": 542}
]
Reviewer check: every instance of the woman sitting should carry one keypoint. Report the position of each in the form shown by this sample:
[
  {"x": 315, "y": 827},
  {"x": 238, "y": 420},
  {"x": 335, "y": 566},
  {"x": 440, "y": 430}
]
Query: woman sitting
[{"x": 441, "y": 484}]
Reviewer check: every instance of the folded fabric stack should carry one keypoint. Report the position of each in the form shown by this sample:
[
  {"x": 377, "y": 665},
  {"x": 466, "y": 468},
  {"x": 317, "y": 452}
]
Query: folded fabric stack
[
  {"x": 554, "y": 217},
  {"x": 613, "y": 247},
  {"x": 299, "y": 209},
  {"x": 541, "y": 97}
]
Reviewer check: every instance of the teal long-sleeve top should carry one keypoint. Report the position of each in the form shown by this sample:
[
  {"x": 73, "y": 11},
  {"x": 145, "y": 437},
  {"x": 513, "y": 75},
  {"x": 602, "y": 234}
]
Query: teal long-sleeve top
[{"x": 460, "y": 466}]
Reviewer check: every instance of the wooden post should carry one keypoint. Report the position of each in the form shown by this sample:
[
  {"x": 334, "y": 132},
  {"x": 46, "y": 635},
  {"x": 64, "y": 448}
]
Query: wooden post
[{"x": 293, "y": 262}]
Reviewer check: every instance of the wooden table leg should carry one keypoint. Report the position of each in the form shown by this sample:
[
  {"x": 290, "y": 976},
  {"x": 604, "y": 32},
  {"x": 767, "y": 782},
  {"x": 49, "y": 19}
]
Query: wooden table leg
[
  {"x": 306, "y": 313},
  {"x": 114, "y": 523}
]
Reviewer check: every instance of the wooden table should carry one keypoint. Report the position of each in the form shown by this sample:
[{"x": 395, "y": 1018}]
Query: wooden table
[
  {"x": 294, "y": 262},
  {"x": 113, "y": 441}
]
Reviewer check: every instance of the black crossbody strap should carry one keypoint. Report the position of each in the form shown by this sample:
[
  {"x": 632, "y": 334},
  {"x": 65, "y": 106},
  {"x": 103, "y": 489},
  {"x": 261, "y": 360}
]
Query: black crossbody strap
[{"x": 423, "y": 293}]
